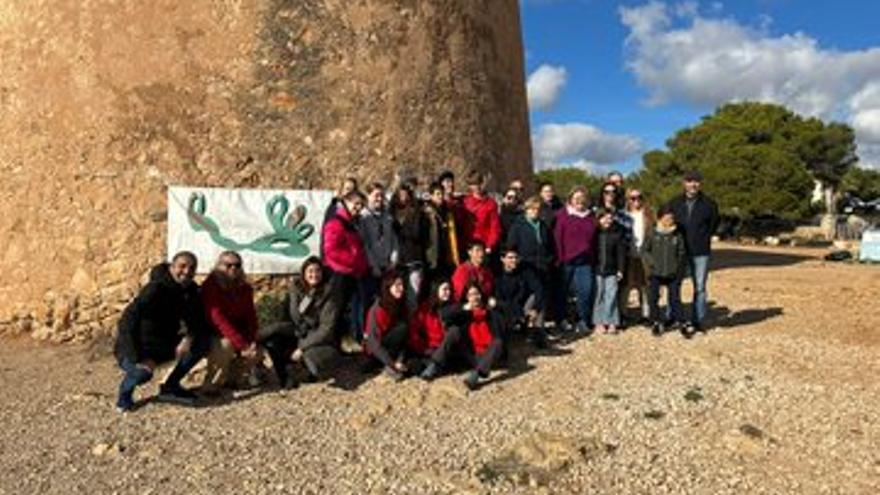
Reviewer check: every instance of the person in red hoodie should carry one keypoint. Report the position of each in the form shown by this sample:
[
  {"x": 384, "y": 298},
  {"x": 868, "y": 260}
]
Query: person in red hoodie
[
  {"x": 482, "y": 328},
  {"x": 229, "y": 308},
  {"x": 346, "y": 259},
  {"x": 481, "y": 220},
  {"x": 473, "y": 270},
  {"x": 433, "y": 335},
  {"x": 387, "y": 328}
]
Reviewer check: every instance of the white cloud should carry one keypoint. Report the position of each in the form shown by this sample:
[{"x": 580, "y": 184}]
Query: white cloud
[
  {"x": 545, "y": 86},
  {"x": 681, "y": 55},
  {"x": 580, "y": 145}
]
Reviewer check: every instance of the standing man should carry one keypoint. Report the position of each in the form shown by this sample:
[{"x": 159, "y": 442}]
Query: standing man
[
  {"x": 697, "y": 217},
  {"x": 481, "y": 219}
]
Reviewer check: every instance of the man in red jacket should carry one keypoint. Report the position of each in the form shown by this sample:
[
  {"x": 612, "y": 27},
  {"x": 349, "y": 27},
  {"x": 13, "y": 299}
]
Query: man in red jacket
[
  {"x": 229, "y": 307},
  {"x": 481, "y": 221}
]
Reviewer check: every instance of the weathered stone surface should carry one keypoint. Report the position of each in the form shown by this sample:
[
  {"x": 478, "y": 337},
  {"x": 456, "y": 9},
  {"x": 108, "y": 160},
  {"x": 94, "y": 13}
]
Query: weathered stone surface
[{"x": 105, "y": 103}]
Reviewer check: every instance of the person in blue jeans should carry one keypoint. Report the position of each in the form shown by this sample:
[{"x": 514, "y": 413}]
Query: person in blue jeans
[
  {"x": 149, "y": 332},
  {"x": 574, "y": 234},
  {"x": 610, "y": 264},
  {"x": 697, "y": 217}
]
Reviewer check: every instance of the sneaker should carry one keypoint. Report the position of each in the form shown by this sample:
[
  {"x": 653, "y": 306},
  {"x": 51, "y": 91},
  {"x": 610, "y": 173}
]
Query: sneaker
[
  {"x": 472, "y": 380},
  {"x": 566, "y": 326},
  {"x": 290, "y": 383},
  {"x": 430, "y": 372},
  {"x": 687, "y": 331},
  {"x": 658, "y": 328},
  {"x": 176, "y": 394},
  {"x": 348, "y": 345},
  {"x": 393, "y": 374},
  {"x": 125, "y": 403}
]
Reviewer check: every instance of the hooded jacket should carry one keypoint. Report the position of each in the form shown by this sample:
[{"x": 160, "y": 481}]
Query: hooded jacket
[
  {"x": 664, "y": 253},
  {"x": 150, "y": 326},
  {"x": 481, "y": 221},
  {"x": 343, "y": 247}
]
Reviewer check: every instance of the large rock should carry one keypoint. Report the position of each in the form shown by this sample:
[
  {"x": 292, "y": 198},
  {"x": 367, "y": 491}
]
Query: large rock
[{"x": 107, "y": 102}]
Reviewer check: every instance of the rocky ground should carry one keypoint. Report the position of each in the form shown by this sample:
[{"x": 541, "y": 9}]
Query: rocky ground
[{"x": 781, "y": 397}]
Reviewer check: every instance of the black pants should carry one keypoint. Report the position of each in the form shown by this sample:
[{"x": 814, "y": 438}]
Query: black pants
[
  {"x": 673, "y": 291},
  {"x": 280, "y": 341}
]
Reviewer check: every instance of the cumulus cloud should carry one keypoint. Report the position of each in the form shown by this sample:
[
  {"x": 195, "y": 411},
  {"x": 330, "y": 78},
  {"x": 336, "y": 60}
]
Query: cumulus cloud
[
  {"x": 545, "y": 86},
  {"x": 682, "y": 55},
  {"x": 580, "y": 145}
]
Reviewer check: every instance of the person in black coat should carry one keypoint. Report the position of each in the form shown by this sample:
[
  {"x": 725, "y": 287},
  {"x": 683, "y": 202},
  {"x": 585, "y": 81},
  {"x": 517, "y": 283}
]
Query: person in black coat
[
  {"x": 611, "y": 249},
  {"x": 520, "y": 297},
  {"x": 149, "y": 331},
  {"x": 305, "y": 333},
  {"x": 697, "y": 219},
  {"x": 532, "y": 240}
]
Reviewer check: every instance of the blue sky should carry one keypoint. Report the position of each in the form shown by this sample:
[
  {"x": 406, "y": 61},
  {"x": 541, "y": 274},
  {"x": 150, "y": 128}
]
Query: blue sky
[{"x": 612, "y": 79}]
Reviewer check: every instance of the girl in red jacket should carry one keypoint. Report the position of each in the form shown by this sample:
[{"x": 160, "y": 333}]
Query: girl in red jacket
[
  {"x": 483, "y": 328},
  {"x": 387, "y": 328},
  {"x": 433, "y": 335}
]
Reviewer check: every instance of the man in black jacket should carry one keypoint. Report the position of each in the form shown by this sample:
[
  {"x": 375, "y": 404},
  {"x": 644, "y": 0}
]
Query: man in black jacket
[
  {"x": 697, "y": 218},
  {"x": 150, "y": 331},
  {"x": 520, "y": 297}
]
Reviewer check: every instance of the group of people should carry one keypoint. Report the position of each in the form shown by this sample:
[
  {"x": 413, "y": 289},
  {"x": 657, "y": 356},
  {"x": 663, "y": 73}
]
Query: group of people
[{"x": 423, "y": 280}]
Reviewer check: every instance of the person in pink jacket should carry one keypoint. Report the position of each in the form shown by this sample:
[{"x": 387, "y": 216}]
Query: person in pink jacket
[{"x": 346, "y": 259}]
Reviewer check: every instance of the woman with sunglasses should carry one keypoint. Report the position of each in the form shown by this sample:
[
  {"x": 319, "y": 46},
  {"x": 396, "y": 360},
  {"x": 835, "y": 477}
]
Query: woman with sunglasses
[{"x": 642, "y": 219}]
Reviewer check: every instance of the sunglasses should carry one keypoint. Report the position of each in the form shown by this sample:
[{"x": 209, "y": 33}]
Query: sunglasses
[
  {"x": 635, "y": 198},
  {"x": 232, "y": 265},
  {"x": 609, "y": 191}
]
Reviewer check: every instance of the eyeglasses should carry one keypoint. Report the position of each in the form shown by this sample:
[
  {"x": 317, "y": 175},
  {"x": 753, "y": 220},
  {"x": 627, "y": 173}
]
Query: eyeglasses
[
  {"x": 609, "y": 191},
  {"x": 232, "y": 265},
  {"x": 635, "y": 198},
  {"x": 510, "y": 197}
]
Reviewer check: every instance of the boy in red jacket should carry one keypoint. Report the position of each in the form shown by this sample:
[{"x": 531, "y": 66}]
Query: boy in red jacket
[
  {"x": 473, "y": 270},
  {"x": 481, "y": 220}
]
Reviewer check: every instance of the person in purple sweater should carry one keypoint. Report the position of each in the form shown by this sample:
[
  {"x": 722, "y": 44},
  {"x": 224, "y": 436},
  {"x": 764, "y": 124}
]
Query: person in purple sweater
[{"x": 575, "y": 236}]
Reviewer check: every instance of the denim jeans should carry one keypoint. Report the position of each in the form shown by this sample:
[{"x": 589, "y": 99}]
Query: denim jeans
[
  {"x": 579, "y": 278},
  {"x": 699, "y": 270},
  {"x": 605, "y": 310},
  {"x": 136, "y": 375}
]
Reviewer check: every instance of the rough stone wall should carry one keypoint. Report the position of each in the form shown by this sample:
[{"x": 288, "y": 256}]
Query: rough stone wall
[{"x": 106, "y": 102}]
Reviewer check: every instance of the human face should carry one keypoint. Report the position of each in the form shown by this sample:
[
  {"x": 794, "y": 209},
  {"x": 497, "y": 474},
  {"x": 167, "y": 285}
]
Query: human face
[
  {"x": 474, "y": 298},
  {"x": 532, "y": 212},
  {"x": 444, "y": 292},
  {"x": 667, "y": 220},
  {"x": 397, "y": 289},
  {"x": 477, "y": 255},
  {"x": 509, "y": 197},
  {"x": 182, "y": 270},
  {"x": 517, "y": 186},
  {"x": 437, "y": 197},
  {"x": 348, "y": 186},
  {"x": 609, "y": 193},
  {"x": 476, "y": 189},
  {"x": 605, "y": 221},
  {"x": 616, "y": 179},
  {"x": 355, "y": 206},
  {"x": 230, "y": 266},
  {"x": 691, "y": 188},
  {"x": 313, "y": 275},
  {"x": 547, "y": 193},
  {"x": 579, "y": 201},
  {"x": 635, "y": 199},
  {"x": 448, "y": 186},
  {"x": 376, "y": 199},
  {"x": 510, "y": 261}
]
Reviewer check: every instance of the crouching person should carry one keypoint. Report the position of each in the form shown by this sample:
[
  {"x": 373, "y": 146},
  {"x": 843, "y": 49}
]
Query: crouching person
[
  {"x": 433, "y": 336},
  {"x": 482, "y": 328},
  {"x": 150, "y": 331},
  {"x": 520, "y": 297},
  {"x": 232, "y": 317},
  {"x": 306, "y": 332},
  {"x": 387, "y": 327}
]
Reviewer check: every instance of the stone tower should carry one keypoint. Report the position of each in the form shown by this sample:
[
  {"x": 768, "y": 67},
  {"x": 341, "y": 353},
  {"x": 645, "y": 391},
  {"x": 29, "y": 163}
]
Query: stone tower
[{"x": 106, "y": 102}]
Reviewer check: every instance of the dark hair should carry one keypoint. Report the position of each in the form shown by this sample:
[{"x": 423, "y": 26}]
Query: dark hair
[
  {"x": 310, "y": 261},
  {"x": 474, "y": 285},
  {"x": 508, "y": 248},
  {"x": 665, "y": 210},
  {"x": 351, "y": 179},
  {"x": 544, "y": 183},
  {"x": 395, "y": 307},
  {"x": 446, "y": 174},
  {"x": 435, "y": 186},
  {"x": 375, "y": 186},
  {"x": 601, "y": 212},
  {"x": 433, "y": 298},
  {"x": 477, "y": 243},
  {"x": 353, "y": 195},
  {"x": 475, "y": 177},
  {"x": 186, "y": 254}
]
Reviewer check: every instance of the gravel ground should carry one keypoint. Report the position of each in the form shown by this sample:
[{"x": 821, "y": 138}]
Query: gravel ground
[{"x": 781, "y": 397}]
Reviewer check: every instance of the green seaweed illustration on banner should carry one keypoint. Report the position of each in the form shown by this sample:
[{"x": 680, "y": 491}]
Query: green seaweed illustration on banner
[{"x": 288, "y": 236}]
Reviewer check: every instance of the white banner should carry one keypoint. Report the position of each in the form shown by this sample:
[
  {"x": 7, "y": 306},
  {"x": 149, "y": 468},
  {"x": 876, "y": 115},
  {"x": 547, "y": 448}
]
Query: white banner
[{"x": 274, "y": 230}]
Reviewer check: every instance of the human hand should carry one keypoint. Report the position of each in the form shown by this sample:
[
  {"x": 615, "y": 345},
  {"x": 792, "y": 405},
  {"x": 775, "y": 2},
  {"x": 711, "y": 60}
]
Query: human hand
[
  {"x": 249, "y": 352},
  {"x": 492, "y": 302},
  {"x": 400, "y": 367},
  {"x": 619, "y": 276},
  {"x": 183, "y": 347},
  {"x": 297, "y": 355}
]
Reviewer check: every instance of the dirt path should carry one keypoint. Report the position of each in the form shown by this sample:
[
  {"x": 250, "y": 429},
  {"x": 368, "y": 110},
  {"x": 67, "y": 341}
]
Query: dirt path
[{"x": 782, "y": 397}]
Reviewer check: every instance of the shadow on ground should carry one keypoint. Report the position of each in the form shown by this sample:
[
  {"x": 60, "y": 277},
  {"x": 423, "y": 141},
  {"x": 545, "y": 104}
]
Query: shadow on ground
[{"x": 727, "y": 258}]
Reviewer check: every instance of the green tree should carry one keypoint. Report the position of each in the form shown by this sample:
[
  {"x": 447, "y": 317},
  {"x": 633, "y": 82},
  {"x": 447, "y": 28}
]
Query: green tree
[
  {"x": 565, "y": 179},
  {"x": 862, "y": 183},
  {"x": 756, "y": 158}
]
